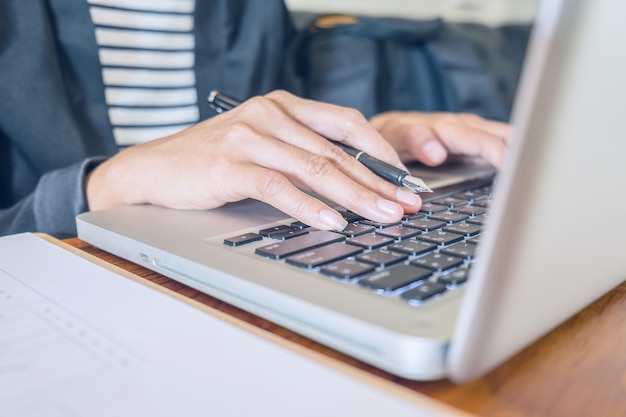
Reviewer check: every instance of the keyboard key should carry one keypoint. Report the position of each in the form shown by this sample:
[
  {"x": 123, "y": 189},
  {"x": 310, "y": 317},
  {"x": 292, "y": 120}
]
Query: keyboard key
[
  {"x": 350, "y": 216},
  {"x": 242, "y": 239},
  {"x": 471, "y": 210},
  {"x": 477, "y": 194},
  {"x": 425, "y": 224},
  {"x": 382, "y": 258},
  {"x": 455, "y": 278},
  {"x": 323, "y": 255},
  {"x": 377, "y": 225},
  {"x": 399, "y": 232},
  {"x": 440, "y": 237},
  {"x": 424, "y": 291},
  {"x": 438, "y": 261},
  {"x": 357, "y": 229},
  {"x": 450, "y": 202},
  {"x": 287, "y": 234},
  {"x": 469, "y": 195},
  {"x": 370, "y": 241},
  {"x": 289, "y": 247},
  {"x": 413, "y": 247},
  {"x": 481, "y": 220},
  {"x": 449, "y": 216},
  {"x": 299, "y": 225},
  {"x": 430, "y": 208},
  {"x": 395, "y": 278},
  {"x": 464, "y": 228},
  {"x": 347, "y": 269},
  {"x": 464, "y": 250},
  {"x": 483, "y": 203},
  {"x": 413, "y": 216},
  {"x": 275, "y": 229}
]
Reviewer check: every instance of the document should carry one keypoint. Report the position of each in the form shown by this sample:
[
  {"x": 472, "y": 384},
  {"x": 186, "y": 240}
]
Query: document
[{"x": 80, "y": 339}]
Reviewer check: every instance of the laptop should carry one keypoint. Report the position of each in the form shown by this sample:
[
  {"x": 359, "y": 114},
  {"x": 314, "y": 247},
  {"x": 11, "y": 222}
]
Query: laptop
[{"x": 537, "y": 245}]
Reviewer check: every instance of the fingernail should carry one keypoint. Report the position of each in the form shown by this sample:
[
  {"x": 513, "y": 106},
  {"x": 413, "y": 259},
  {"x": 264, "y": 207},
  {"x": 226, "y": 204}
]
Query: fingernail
[
  {"x": 388, "y": 207},
  {"x": 407, "y": 197},
  {"x": 434, "y": 151},
  {"x": 333, "y": 220}
]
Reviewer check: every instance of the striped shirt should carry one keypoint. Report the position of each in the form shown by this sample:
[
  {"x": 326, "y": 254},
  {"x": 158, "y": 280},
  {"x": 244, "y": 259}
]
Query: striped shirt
[{"x": 146, "y": 51}]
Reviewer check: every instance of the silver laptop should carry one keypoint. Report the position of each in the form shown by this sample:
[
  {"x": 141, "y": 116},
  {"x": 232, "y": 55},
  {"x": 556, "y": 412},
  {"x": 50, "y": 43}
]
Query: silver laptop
[{"x": 510, "y": 262}]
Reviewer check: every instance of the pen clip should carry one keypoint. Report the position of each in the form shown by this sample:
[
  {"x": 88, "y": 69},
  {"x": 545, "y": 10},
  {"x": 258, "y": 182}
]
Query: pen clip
[
  {"x": 211, "y": 99},
  {"x": 221, "y": 103}
]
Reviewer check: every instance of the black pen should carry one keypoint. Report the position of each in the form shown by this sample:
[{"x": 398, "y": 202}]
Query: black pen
[{"x": 222, "y": 103}]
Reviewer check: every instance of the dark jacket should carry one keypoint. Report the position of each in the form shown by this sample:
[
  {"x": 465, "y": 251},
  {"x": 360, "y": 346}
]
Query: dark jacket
[{"x": 53, "y": 117}]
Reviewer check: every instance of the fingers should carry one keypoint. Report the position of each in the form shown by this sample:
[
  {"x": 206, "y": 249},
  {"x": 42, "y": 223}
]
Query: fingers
[
  {"x": 275, "y": 189},
  {"x": 337, "y": 123},
  {"x": 414, "y": 141},
  {"x": 430, "y": 138},
  {"x": 471, "y": 135},
  {"x": 498, "y": 129},
  {"x": 315, "y": 164},
  {"x": 328, "y": 172}
]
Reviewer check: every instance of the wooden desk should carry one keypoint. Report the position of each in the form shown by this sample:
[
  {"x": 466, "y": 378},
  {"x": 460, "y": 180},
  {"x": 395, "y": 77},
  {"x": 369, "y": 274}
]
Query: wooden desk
[{"x": 579, "y": 369}]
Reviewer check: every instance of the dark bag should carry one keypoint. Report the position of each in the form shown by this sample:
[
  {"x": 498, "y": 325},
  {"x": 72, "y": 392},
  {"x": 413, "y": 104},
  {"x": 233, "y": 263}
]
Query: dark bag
[{"x": 379, "y": 64}]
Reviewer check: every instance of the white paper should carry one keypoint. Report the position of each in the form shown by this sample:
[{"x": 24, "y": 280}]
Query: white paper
[{"x": 77, "y": 339}]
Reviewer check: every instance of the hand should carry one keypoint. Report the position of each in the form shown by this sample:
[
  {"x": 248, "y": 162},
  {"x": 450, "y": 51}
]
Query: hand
[
  {"x": 269, "y": 148},
  {"x": 432, "y": 137}
]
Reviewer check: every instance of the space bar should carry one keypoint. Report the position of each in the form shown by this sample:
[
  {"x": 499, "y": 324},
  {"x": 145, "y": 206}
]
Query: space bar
[{"x": 288, "y": 247}]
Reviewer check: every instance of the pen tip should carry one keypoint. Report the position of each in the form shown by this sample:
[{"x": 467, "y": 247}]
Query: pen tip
[{"x": 417, "y": 185}]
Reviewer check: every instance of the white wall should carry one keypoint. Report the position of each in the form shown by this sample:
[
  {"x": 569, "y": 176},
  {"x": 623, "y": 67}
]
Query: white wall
[{"x": 485, "y": 11}]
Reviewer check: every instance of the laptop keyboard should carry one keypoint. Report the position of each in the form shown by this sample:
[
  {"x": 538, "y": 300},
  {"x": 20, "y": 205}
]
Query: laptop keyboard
[{"x": 417, "y": 259}]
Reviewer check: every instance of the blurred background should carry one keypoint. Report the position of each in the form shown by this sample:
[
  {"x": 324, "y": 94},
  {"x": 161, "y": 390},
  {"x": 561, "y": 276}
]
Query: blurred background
[{"x": 489, "y": 12}]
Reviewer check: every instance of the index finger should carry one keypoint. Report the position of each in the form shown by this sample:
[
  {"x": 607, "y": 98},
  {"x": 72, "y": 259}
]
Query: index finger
[
  {"x": 337, "y": 123},
  {"x": 465, "y": 139}
]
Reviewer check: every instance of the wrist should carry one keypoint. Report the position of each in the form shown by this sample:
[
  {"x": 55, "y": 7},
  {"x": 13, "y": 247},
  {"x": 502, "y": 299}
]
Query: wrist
[{"x": 105, "y": 185}]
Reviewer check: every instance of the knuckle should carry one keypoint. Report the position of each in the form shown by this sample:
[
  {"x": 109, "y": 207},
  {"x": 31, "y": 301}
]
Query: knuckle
[
  {"x": 418, "y": 132},
  {"x": 230, "y": 137},
  {"x": 352, "y": 118},
  {"x": 274, "y": 188},
  {"x": 365, "y": 195},
  {"x": 338, "y": 155},
  {"x": 261, "y": 106},
  {"x": 270, "y": 183},
  {"x": 470, "y": 117},
  {"x": 237, "y": 129},
  {"x": 446, "y": 123},
  {"x": 317, "y": 166},
  {"x": 278, "y": 95},
  {"x": 303, "y": 209},
  {"x": 444, "y": 119}
]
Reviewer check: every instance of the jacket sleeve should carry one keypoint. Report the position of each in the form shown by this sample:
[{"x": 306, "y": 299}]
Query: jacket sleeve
[{"x": 52, "y": 207}]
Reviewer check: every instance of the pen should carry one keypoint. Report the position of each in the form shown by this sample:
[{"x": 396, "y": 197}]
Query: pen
[{"x": 222, "y": 103}]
